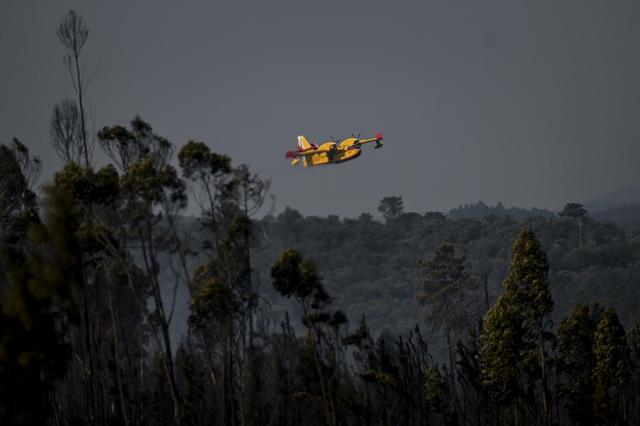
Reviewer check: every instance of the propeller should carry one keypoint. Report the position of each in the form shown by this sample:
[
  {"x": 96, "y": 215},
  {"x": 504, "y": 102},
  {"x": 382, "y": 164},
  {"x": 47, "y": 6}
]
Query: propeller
[{"x": 356, "y": 141}]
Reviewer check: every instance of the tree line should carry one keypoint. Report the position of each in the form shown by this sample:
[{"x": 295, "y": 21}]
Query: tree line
[
  {"x": 89, "y": 273},
  {"x": 85, "y": 318}
]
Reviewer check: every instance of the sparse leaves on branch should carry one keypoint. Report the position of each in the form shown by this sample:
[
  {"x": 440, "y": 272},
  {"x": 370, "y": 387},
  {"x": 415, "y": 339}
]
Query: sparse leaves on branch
[{"x": 127, "y": 146}]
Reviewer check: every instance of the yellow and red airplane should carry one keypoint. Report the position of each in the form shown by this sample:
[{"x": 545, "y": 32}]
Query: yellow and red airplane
[{"x": 330, "y": 152}]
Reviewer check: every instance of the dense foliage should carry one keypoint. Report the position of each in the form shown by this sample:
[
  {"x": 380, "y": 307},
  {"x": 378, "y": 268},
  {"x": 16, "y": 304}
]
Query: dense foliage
[
  {"x": 373, "y": 268},
  {"x": 480, "y": 210},
  {"x": 416, "y": 319},
  {"x": 410, "y": 320}
]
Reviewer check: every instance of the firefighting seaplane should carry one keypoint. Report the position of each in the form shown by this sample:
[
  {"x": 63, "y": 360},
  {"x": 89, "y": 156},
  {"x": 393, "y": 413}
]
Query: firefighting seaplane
[{"x": 330, "y": 152}]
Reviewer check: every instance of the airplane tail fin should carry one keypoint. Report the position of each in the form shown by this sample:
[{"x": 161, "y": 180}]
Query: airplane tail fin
[
  {"x": 303, "y": 144},
  {"x": 293, "y": 156}
]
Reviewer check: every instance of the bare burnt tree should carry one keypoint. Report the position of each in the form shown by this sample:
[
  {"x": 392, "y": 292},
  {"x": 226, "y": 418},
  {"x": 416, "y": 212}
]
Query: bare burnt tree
[
  {"x": 73, "y": 33},
  {"x": 66, "y": 132}
]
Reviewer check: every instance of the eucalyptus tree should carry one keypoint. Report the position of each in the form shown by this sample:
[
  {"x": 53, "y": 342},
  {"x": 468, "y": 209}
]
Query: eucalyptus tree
[
  {"x": 69, "y": 122},
  {"x": 633, "y": 339},
  {"x": 19, "y": 171},
  {"x": 516, "y": 333},
  {"x": 92, "y": 196},
  {"x": 126, "y": 146},
  {"x": 212, "y": 317},
  {"x": 146, "y": 187},
  {"x": 296, "y": 277},
  {"x": 250, "y": 193},
  {"x": 65, "y": 132},
  {"x": 30, "y": 310},
  {"x": 612, "y": 369},
  {"x": 216, "y": 307},
  {"x": 445, "y": 291},
  {"x": 227, "y": 197},
  {"x": 211, "y": 178},
  {"x": 151, "y": 195},
  {"x": 576, "y": 362},
  {"x": 37, "y": 312}
]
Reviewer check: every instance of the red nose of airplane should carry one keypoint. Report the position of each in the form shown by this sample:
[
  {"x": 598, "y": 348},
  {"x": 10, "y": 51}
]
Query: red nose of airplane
[{"x": 379, "y": 136}]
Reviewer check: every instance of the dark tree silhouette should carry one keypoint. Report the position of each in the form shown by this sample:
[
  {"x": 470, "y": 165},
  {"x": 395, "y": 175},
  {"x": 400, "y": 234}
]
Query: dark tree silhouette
[
  {"x": 391, "y": 207},
  {"x": 73, "y": 34}
]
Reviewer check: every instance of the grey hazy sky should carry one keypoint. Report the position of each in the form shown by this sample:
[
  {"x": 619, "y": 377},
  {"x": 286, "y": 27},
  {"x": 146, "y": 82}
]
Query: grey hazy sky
[{"x": 532, "y": 103}]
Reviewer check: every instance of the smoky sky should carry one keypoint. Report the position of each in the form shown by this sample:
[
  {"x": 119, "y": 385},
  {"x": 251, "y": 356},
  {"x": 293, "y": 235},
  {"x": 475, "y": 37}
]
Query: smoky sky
[{"x": 531, "y": 103}]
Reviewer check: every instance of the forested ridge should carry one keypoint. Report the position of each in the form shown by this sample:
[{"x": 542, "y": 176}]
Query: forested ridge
[
  {"x": 298, "y": 320},
  {"x": 373, "y": 266},
  {"x": 410, "y": 319}
]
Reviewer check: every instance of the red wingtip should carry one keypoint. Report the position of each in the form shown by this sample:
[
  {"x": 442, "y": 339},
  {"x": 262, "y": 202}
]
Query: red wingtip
[{"x": 379, "y": 136}]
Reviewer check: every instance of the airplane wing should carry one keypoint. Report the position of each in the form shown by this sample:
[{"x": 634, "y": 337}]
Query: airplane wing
[{"x": 294, "y": 154}]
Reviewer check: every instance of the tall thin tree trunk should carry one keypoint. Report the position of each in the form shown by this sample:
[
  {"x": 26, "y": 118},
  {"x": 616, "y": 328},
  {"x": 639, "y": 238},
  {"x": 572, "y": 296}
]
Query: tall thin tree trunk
[
  {"x": 123, "y": 406},
  {"x": 545, "y": 391},
  {"x": 143, "y": 310},
  {"x": 452, "y": 371},
  {"x": 88, "y": 372},
  {"x": 83, "y": 123},
  {"x": 485, "y": 279}
]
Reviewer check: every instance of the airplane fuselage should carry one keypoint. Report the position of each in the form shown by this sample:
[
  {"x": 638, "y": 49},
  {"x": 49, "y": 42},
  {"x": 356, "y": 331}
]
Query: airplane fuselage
[
  {"x": 332, "y": 153},
  {"x": 329, "y": 152}
]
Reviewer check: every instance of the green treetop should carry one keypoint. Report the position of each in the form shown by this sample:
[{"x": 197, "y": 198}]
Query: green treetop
[
  {"x": 515, "y": 329},
  {"x": 613, "y": 367},
  {"x": 576, "y": 361}
]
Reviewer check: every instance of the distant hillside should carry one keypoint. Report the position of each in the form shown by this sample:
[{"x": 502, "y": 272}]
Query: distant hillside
[
  {"x": 614, "y": 200},
  {"x": 373, "y": 268},
  {"x": 480, "y": 210},
  {"x": 627, "y": 217}
]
